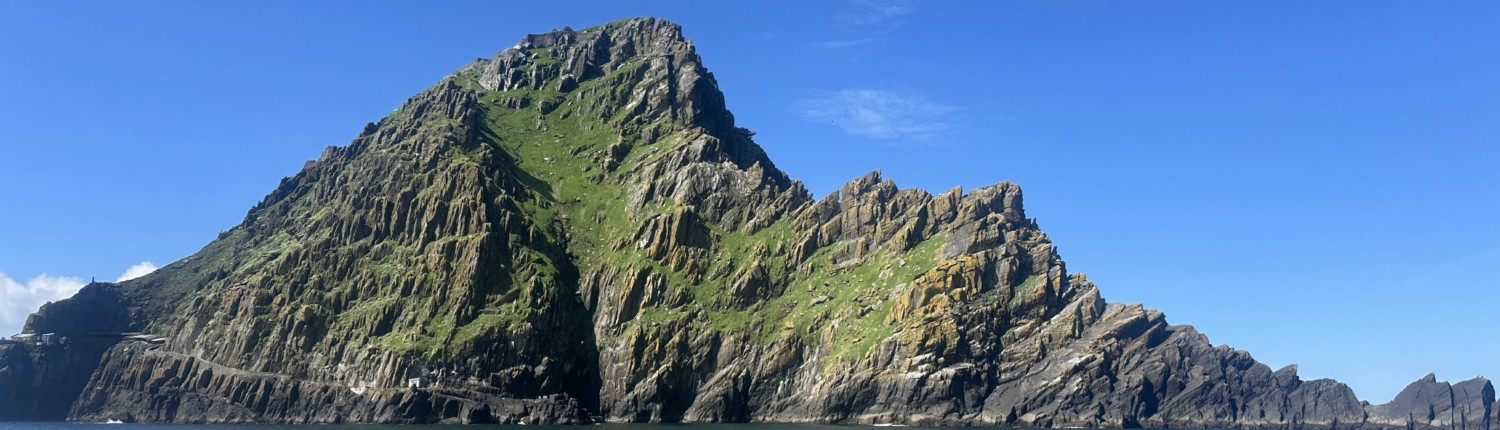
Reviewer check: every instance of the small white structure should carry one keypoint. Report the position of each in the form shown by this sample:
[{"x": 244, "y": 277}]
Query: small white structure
[
  {"x": 48, "y": 339},
  {"x": 414, "y": 383}
]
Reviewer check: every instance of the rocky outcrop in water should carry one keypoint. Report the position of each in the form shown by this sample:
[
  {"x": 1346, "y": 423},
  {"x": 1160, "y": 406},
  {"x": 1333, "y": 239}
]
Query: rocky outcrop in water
[
  {"x": 1428, "y": 403},
  {"x": 575, "y": 230}
]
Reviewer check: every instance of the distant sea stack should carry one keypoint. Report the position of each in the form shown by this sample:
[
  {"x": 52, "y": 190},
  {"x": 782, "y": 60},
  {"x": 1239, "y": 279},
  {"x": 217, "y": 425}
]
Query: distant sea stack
[{"x": 576, "y": 230}]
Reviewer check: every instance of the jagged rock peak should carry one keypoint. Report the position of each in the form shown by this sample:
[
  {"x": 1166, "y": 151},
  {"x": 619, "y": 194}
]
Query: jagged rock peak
[
  {"x": 632, "y": 46},
  {"x": 639, "y": 75},
  {"x": 1429, "y": 403}
]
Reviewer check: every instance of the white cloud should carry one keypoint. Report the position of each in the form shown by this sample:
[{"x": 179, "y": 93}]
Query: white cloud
[
  {"x": 877, "y": 12},
  {"x": 20, "y": 299},
  {"x": 845, "y": 43},
  {"x": 880, "y": 114},
  {"x": 138, "y": 270},
  {"x": 864, "y": 22}
]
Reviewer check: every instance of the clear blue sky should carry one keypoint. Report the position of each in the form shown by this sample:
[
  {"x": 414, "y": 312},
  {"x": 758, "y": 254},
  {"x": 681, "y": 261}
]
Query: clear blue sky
[{"x": 1315, "y": 182}]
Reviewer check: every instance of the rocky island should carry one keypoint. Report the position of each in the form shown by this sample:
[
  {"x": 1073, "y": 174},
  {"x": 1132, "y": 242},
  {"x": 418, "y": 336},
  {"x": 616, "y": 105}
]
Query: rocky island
[{"x": 576, "y": 230}]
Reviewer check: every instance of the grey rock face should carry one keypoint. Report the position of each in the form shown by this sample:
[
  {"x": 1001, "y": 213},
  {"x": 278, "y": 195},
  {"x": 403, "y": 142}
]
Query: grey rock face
[
  {"x": 40, "y": 382},
  {"x": 1428, "y": 403},
  {"x": 1494, "y": 416},
  {"x": 576, "y": 230}
]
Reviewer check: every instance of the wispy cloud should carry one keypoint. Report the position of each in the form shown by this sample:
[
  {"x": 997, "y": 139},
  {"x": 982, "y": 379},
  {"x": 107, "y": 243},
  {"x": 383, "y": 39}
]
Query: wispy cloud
[
  {"x": 845, "y": 43},
  {"x": 20, "y": 299},
  {"x": 138, "y": 270},
  {"x": 865, "y": 21},
  {"x": 877, "y": 12},
  {"x": 880, "y": 114}
]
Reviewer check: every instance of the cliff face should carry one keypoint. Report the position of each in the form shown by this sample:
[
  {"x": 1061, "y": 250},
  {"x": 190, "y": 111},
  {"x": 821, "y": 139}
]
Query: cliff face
[
  {"x": 575, "y": 230},
  {"x": 1428, "y": 403}
]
